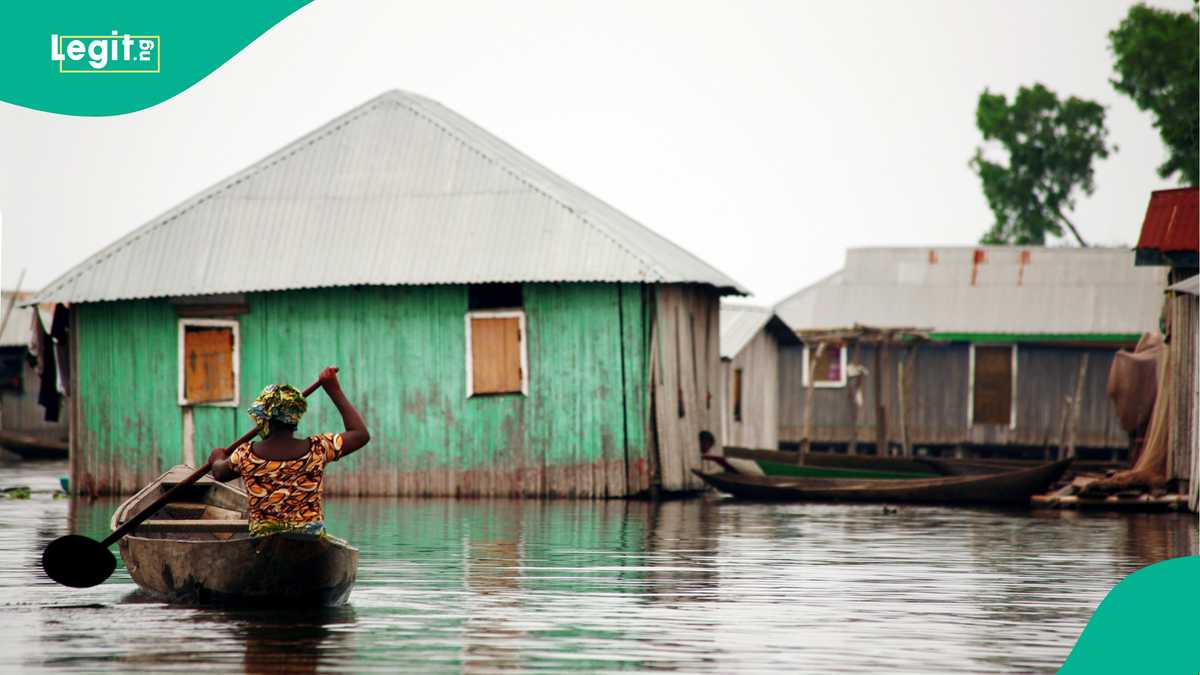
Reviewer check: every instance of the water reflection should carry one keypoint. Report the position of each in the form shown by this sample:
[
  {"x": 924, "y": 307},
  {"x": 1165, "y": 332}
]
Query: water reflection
[
  {"x": 492, "y": 555},
  {"x": 703, "y": 585},
  {"x": 297, "y": 642}
]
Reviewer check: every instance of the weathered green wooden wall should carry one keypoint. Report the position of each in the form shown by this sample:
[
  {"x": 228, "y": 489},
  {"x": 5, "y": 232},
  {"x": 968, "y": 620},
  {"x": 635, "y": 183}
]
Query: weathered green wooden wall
[
  {"x": 581, "y": 430},
  {"x": 131, "y": 425}
]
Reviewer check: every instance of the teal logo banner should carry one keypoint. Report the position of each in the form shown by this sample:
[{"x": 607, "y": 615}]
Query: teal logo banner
[
  {"x": 1148, "y": 623},
  {"x": 111, "y": 58}
]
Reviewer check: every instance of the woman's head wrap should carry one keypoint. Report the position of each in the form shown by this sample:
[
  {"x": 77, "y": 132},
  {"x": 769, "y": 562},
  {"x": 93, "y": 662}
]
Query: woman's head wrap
[{"x": 282, "y": 403}]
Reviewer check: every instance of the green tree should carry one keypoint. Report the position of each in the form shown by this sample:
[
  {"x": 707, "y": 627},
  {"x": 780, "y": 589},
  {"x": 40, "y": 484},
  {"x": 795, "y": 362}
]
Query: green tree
[
  {"x": 1158, "y": 66},
  {"x": 1051, "y": 145}
]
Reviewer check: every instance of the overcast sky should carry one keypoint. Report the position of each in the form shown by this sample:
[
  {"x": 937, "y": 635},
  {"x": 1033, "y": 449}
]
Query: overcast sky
[{"x": 765, "y": 137}]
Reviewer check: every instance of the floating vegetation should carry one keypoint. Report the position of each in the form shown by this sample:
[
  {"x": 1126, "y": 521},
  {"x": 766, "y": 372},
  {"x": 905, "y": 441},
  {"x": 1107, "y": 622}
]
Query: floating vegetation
[{"x": 18, "y": 492}]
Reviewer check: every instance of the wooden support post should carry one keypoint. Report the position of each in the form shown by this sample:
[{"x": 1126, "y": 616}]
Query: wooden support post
[
  {"x": 1071, "y": 412},
  {"x": 1062, "y": 430},
  {"x": 880, "y": 412},
  {"x": 809, "y": 401},
  {"x": 853, "y": 389},
  {"x": 907, "y": 368}
]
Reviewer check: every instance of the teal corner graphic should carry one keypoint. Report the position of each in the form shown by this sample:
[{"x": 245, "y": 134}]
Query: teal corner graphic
[
  {"x": 111, "y": 58},
  {"x": 1148, "y": 623}
]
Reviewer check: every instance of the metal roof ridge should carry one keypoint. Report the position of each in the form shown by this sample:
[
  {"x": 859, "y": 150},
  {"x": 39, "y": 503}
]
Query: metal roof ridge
[
  {"x": 415, "y": 103},
  {"x": 399, "y": 97},
  {"x": 823, "y": 281}
]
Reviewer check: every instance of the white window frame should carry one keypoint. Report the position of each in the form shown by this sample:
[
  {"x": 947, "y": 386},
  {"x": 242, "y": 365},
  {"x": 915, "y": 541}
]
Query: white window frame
[
  {"x": 825, "y": 384},
  {"x": 1012, "y": 412},
  {"x": 237, "y": 358},
  {"x": 519, "y": 315}
]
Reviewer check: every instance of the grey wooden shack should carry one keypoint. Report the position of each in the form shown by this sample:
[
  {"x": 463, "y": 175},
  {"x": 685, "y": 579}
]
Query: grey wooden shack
[
  {"x": 751, "y": 337},
  {"x": 1021, "y": 339}
]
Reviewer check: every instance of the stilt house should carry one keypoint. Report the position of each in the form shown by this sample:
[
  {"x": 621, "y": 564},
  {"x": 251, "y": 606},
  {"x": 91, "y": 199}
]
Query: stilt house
[
  {"x": 1170, "y": 237},
  {"x": 1020, "y": 343},
  {"x": 504, "y": 332}
]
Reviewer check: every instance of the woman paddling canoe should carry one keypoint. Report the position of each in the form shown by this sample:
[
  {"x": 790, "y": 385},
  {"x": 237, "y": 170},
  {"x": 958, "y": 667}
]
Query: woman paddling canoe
[{"x": 284, "y": 475}]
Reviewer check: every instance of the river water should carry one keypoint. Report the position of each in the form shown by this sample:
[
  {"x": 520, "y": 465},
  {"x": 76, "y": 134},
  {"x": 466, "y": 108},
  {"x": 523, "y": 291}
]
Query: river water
[{"x": 704, "y": 585}]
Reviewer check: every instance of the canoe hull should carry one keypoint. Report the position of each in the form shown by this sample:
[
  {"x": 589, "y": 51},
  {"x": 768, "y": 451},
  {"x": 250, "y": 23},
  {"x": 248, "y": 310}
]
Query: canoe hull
[
  {"x": 32, "y": 446},
  {"x": 1012, "y": 487},
  {"x": 834, "y": 465},
  {"x": 197, "y": 550},
  {"x": 282, "y": 569},
  {"x": 876, "y": 466}
]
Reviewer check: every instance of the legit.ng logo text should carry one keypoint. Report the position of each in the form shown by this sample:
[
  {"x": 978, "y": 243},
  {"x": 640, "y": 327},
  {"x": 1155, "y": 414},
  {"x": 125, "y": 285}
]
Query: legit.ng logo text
[{"x": 107, "y": 53}]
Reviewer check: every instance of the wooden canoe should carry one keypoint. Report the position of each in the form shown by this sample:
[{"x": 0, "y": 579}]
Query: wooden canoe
[
  {"x": 833, "y": 465},
  {"x": 198, "y": 550},
  {"x": 33, "y": 446},
  {"x": 1009, "y": 487}
]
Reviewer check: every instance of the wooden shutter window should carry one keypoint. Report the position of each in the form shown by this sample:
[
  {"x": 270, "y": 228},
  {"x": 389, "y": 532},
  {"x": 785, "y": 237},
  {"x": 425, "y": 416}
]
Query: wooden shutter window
[
  {"x": 992, "y": 393},
  {"x": 208, "y": 364},
  {"x": 495, "y": 355}
]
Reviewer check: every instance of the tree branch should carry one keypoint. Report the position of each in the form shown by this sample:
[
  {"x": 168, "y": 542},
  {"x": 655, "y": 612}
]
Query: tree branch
[{"x": 1070, "y": 226}]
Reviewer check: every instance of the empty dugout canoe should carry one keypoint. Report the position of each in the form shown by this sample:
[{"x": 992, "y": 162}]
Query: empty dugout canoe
[
  {"x": 1009, "y": 487},
  {"x": 198, "y": 550},
  {"x": 832, "y": 465}
]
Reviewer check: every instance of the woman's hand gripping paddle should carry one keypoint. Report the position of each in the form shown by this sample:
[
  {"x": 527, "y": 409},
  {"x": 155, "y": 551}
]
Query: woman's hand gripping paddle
[{"x": 81, "y": 562}]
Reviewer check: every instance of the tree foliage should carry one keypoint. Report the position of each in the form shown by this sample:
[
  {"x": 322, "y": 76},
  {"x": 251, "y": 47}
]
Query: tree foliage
[
  {"x": 1051, "y": 145},
  {"x": 1158, "y": 66}
]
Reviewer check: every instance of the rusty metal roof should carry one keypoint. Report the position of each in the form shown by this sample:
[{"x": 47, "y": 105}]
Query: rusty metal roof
[
  {"x": 1172, "y": 222},
  {"x": 398, "y": 191},
  {"x": 985, "y": 290}
]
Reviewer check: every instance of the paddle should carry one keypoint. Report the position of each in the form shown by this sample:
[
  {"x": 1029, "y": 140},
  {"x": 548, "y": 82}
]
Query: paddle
[{"x": 81, "y": 562}]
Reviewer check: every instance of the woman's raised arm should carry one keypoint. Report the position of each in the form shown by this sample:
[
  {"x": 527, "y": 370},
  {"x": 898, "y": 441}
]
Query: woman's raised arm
[{"x": 356, "y": 435}]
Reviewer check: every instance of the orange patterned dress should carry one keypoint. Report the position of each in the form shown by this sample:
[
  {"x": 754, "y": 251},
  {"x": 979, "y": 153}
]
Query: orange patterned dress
[{"x": 286, "y": 494}]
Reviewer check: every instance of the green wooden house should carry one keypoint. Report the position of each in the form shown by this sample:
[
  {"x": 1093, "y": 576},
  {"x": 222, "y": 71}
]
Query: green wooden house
[{"x": 503, "y": 331}]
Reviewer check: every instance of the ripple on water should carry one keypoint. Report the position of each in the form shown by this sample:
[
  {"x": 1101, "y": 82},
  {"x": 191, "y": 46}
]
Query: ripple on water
[{"x": 703, "y": 585}]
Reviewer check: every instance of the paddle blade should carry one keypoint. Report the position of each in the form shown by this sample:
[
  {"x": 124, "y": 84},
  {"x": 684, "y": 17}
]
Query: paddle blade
[{"x": 77, "y": 561}]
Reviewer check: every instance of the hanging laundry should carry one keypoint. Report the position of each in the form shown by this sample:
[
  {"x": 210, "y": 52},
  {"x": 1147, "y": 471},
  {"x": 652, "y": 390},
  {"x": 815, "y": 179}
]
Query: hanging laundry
[
  {"x": 60, "y": 330},
  {"x": 41, "y": 354}
]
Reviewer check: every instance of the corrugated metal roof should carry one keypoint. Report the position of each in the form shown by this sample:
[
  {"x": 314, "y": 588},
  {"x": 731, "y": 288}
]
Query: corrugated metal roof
[
  {"x": 739, "y": 324},
  {"x": 400, "y": 190},
  {"x": 984, "y": 289},
  {"x": 1172, "y": 222},
  {"x": 1191, "y": 286}
]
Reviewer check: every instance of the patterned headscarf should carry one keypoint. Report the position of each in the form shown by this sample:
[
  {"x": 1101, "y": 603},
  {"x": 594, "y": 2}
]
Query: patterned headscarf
[{"x": 280, "y": 402}]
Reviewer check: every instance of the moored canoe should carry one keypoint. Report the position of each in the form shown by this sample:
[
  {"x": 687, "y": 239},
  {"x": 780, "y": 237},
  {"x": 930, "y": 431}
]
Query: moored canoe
[{"x": 1008, "y": 487}]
